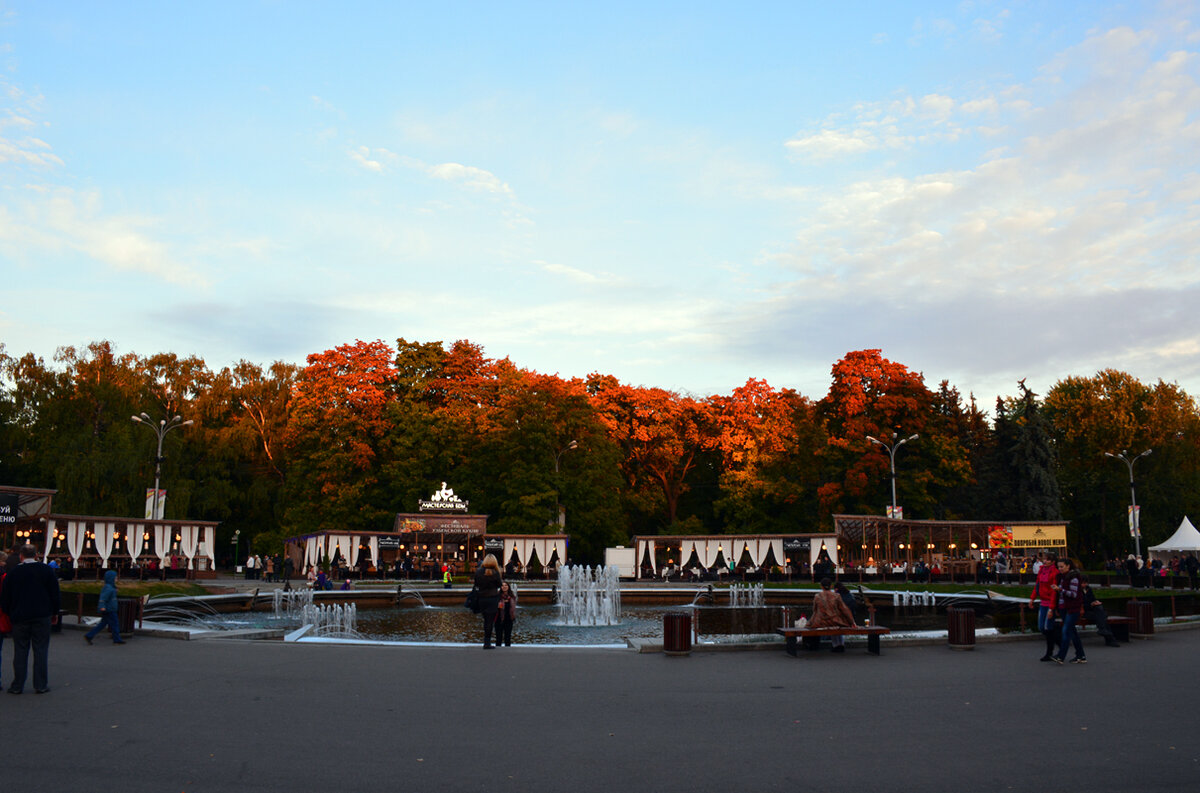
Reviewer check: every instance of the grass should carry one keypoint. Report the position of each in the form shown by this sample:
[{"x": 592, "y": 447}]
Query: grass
[{"x": 133, "y": 589}]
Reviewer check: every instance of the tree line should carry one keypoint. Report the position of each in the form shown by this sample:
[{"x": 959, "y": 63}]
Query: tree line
[{"x": 364, "y": 430}]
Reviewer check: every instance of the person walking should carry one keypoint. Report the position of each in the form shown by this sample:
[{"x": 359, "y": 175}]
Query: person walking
[
  {"x": 488, "y": 579},
  {"x": 108, "y": 611},
  {"x": 30, "y": 598},
  {"x": 1043, "y": 598},
  {"x": 506, "y": 614},
  {"x": 830, "y": 611},
  {"x": 5, "y": 622},
  {"x": 1070, "y": 607}
]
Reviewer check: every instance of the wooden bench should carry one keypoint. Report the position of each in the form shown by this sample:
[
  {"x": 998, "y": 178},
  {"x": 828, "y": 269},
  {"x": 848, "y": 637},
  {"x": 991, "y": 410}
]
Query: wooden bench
[
  {"x": 872, "y": 632},
  {"x": 1119, "y": 626}
]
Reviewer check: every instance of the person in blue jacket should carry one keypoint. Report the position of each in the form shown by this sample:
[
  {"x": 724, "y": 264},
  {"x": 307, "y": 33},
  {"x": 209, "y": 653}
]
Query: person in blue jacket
[{"x": 108, "y": 610}]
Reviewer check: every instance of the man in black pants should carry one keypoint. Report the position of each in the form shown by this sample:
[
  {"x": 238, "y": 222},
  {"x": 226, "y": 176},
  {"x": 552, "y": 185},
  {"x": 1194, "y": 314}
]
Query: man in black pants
[
  {"x": 30, "y": 599},
  {"x": 1096, "y": 615}
]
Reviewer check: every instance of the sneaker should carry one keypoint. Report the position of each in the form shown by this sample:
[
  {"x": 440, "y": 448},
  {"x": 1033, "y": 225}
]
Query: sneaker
[
  {"x": 1046, "y": 658},
  {"x": 87, "y": 638},
  {"x": 1057, "y": 660},
  {"x": 1079, "y": 659}
]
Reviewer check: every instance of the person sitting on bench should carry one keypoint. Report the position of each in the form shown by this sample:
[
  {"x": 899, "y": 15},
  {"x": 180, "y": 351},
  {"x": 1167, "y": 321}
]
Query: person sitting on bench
[
  {"x": 1096, "y": 615},
  {"x": 829, "y": 611}
]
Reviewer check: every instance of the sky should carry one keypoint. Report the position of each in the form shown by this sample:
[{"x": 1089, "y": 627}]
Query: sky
[{"x": 683, "y": 195}]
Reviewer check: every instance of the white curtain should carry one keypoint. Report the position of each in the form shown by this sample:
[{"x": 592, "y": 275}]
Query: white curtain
[
  {"x": 759, "y": 552},
  {"x": 342, "y": 543},
  {"x": 76, "y": 534},
  {"x": 830, "y": 545},
  {"x": 510, "y": 545},
  {"x": 373, "y": 544},
  {"x": 353, "y": 557},
  {"x": 685, "y": 552},
  {"x": 561, "y": 547},
  {"x": 711, "y": 549},
  {"x": 133, "y": 539},
  {"x": 740, "y": 548},
  {"x": 647, "y": 545},
  {"x": 51, "y": 530},
  {"x": 310, "y": 554},
  {"x": 776, "y": 546},
  {"x": 209, "y": 544},
  {"x": 162, "y": 542},
  {"x": 104, "y": 540},
  {"x": 189, "y": 539}
]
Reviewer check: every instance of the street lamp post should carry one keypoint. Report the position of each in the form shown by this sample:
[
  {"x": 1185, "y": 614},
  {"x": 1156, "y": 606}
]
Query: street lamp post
[
  {"x": 560, "y": 513},
  {"x": 891, "y": 450},
  {"x": 160, "y": 430},
  {"x": 237, "y": 536},
  {"x": 1137, "y": 529}
]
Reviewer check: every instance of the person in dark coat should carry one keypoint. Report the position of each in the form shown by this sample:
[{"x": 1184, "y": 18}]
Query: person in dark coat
[
  {"x": 30, "y": 598},
  {"x": 1095, "y": 613},
  {"x": 487, "y": 583}
]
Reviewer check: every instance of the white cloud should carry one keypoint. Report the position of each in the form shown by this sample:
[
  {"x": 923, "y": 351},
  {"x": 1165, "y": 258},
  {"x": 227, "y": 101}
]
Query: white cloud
[
  {"x": 63, "y": 220},
  {"x": 470, "y": 177}
]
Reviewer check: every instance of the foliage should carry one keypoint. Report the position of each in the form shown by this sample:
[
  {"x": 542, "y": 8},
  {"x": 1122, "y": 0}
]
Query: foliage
[{"x": 364, "y": 430}]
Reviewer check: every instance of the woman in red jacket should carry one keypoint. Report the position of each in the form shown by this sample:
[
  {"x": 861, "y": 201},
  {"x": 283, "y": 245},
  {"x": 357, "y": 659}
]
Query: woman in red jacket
[{"x": 1044, "y": 597}]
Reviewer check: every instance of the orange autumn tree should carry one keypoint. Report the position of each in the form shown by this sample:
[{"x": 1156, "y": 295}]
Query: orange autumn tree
[
  {"x": 872, "y": 396},
  {"x": 337, "y": 422},
  {"x": 766, "y": 440},
  {"x": 661, "y": 435}
]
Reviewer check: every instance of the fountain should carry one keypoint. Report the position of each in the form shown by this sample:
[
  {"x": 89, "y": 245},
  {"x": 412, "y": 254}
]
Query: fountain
[
  {"x": 746, "y": 596},
  {"x": 331, "y": 621},
  {"x": 588, "y": 596},
  {"x": 292, "y": 602}
]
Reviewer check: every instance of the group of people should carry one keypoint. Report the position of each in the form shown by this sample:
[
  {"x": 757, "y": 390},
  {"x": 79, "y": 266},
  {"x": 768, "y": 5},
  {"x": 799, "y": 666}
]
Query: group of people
[
  {"x": 273, "y": 568},
  {"x": 496, "y": 602},
  {"x": 1063, "y": 597}
]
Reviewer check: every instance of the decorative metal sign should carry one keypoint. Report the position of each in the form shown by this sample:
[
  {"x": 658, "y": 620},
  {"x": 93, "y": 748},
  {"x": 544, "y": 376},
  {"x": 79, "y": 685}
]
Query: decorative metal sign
[{"x": 443, "y": 500}]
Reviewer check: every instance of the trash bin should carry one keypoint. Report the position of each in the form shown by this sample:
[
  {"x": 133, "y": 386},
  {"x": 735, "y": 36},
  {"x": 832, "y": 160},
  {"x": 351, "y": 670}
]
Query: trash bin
[
  {"x": 677, "y": 633},
  {"x": 128, "y": 611},
  {"x": 1142, "y": 614},
  {"x": 961, "y": 628}
]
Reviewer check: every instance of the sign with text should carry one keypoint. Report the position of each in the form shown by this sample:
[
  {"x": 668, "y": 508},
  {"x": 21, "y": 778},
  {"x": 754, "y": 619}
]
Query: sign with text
[
  {"x": 1039, "y": 536},
  {"x": 389, "y": 542},
  {"x": 9, "y": 504},
  {"x": 443, "y": 500},
  {"x": 896, "y": 512}
]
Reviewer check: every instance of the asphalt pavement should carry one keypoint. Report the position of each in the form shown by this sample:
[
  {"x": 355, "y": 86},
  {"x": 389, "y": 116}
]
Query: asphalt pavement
[{"x": 228, "y": 715}]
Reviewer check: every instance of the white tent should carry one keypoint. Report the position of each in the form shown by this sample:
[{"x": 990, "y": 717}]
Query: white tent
[{"x": 1185, "y": 538}]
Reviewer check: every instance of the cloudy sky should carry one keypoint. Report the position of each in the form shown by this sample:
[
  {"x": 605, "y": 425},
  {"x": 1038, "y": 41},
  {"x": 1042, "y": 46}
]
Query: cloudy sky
[{"x": 683, "y": 195}]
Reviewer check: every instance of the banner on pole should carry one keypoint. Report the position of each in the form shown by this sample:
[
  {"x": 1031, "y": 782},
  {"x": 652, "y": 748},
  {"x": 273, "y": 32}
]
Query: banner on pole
[
  {"x": 896, "y": 512},
  {"x": 1135, "y": 522},
  {"x": 162, "y": 503}
]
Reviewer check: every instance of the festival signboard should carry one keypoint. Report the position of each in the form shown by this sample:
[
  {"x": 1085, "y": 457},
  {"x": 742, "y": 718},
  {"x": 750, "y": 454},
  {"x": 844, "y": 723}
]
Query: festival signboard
[{"x": 1039, "y": 536}]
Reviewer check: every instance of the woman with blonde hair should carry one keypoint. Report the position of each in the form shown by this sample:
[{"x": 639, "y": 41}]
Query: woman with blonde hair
[{"x": 488, "y": 578}]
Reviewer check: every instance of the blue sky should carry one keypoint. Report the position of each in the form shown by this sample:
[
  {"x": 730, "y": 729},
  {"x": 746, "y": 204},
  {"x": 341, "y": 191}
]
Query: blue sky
[{"x": 681, "y": 195}]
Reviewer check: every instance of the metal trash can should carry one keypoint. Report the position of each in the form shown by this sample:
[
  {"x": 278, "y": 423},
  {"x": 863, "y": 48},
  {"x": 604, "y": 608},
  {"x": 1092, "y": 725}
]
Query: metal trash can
[
  {"x": 1142, "y": 614},
  {"x": 961, "y": 628},
  {"x": 128, "y": 611},
  {"x": 677, "y": 633}
]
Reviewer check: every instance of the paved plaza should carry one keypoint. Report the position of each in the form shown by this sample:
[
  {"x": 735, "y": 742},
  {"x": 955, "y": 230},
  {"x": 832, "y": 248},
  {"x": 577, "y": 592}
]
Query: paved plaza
[{"x": 228, "y": 715}]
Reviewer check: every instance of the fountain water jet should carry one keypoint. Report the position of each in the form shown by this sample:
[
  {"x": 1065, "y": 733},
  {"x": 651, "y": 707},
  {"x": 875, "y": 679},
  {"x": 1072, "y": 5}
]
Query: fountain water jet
[{"x": 589, "y": 597}]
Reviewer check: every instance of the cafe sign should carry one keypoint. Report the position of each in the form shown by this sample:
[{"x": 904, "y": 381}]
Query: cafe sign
[
  {"x": 1039, "y": 536},
  {"x": 443, "y": 500}
]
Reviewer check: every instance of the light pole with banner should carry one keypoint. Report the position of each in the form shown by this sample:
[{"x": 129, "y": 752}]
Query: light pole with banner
[
  {"x": 160, "y": 430},
  {"x": 891, "y": 450},
  {"x": 1135, "y": 524}
]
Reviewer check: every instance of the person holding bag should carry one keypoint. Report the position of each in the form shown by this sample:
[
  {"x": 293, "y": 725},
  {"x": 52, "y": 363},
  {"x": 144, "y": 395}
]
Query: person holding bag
[{"x": 488, "y": 579}]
